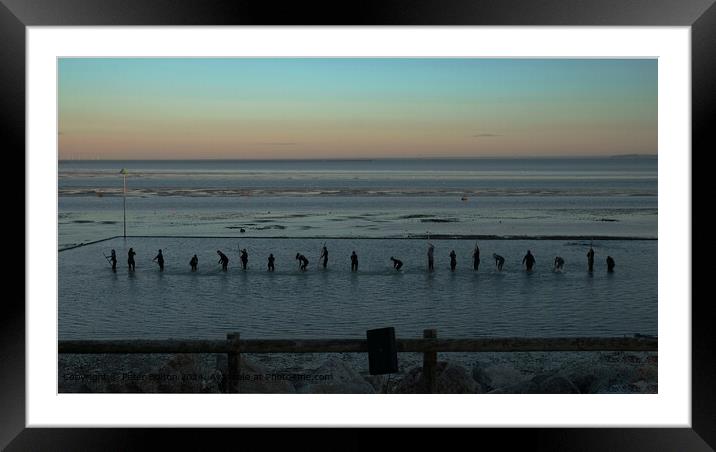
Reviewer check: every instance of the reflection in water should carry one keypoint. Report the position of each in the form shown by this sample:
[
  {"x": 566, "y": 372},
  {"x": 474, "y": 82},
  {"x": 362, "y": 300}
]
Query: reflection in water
[{"x": 95, "y": 303}]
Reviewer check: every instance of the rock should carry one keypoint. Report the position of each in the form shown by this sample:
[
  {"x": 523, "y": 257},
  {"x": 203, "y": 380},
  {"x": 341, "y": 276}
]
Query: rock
[
  {"x": 596, "y": 378},
  {"x": 451, "y": 379},
  {"x": 455, "y": 379},
  {"x": 639, "y": 387},
  {"x": 411, "y": 383},
  {"x": 136, "y": 373},
  {"x": 648, "y": 372},
  {"x": 600, "y": 376},
  {"x": 621, "y": 357},
  {"x": 482, "y": 377},
  {"x": 256, "y": 379},
  {"x": 644, "y": 387},
  {"x": 546, "y": 383},
  {"x": 615, "y": 389},
  {"x": 378, "y": 382},
  {"x": 335, "y": 377},
  {"x": 500, "y": 375},
  {"x": 183, "y": 373}
]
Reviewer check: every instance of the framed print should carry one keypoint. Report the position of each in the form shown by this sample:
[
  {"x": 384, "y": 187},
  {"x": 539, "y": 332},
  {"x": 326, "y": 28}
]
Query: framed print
[{"x": 461, "y": 164}]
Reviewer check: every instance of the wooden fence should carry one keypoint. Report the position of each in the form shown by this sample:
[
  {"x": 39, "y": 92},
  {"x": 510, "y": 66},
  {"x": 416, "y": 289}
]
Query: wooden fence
[{"x": 430, "y": 345}]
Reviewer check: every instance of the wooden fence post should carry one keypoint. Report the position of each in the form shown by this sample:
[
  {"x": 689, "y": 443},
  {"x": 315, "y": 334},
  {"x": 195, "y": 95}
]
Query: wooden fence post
[
  {"x": 430, "y": 362},
  {"x": 234, "y": 362}
]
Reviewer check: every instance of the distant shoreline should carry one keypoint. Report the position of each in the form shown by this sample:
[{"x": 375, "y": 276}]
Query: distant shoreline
[
  {"x": 348, "y": 160},
  {"x": 411, "y": 237}
]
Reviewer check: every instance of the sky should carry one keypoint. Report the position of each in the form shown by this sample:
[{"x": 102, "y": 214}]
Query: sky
[{"x": 289, "y": 108}]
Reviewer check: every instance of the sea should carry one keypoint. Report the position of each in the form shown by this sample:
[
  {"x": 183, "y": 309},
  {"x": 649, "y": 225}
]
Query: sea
[{"x": 378, "y": 208}]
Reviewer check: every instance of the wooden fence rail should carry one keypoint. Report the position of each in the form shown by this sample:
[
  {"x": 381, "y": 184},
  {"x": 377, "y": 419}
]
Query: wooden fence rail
[{"x": 429, "y": 345}]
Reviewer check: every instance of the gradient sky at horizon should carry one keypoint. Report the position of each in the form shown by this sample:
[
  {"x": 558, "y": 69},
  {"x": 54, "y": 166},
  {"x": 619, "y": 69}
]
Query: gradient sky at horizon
[{"x": 248, "y": 108}]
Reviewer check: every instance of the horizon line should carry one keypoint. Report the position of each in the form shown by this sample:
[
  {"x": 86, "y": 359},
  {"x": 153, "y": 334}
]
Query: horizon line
[{"x": 362, "y": 159}]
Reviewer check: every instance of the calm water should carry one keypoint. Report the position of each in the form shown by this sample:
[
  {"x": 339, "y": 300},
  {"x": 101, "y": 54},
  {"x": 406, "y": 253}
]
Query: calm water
[
  {"x": 363, "y": 198},
  {"x": 95, "y": 303},
  {"x": 373, "y": 207}
]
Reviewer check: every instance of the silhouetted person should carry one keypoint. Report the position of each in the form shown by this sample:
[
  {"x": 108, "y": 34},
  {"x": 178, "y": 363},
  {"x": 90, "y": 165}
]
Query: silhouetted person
[
  {"x": 610, "y": 264},
  {"x": 223, "y": 260},
  {"x": 354, "y": 262},
  {"x": 302, "y": 261},
  {"x": 113, "y": 260},
  {"x": 431, "y": 261},
  {"x": 590, "y": 259},
  {"x": 558, "y": 263},
  {"x": 160, "y": 260},
  {"x": 271, "y": 259},
  {"x": 244, "y": 258},
  {"x": 453, "y": 260},
  {"x": 528, "y": 260},
  {"x": 130, "y": 259},
  {"x": 499, "y": 261},
  {"x": 324, "y": 256},
  {"x": 194, "y": 262},
  {"x": 476, "y": 257},
  {"x": 397, "y": 263}
]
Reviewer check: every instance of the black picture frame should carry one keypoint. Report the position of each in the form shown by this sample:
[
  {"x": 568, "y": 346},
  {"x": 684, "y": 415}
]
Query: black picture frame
[{"x": 16, "y": 15}]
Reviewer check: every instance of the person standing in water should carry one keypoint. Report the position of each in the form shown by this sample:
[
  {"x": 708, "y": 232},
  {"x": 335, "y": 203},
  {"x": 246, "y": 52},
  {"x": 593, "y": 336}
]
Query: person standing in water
[
  {"x": 431, "y": 261},
  {"x": 476, "y": 258},
  {"x": 324, "y": 256},
  {"x": 397, "y": 263},
  {"x": 590, "y": 259},
  {"x": 271, "y": 259},
  {"x": 130, "y": 259},
  {"x": 223, "y": 260},
  {"x": 302, "y": 261},
  {"x": 354, "y": 262},
  {"x": 610, "y": 264},
  {"x": 160, "y": 260},
  {"x": 499, "y": 261},
  {"x": 453, "y": 260},
  {"x": 558, "y": 263},
  {"x": 194, "y": 262},
  {"x": 528, "y": 260},
  {"x": 113, "y": 260},
  {"x": 244, "y": 259}
]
